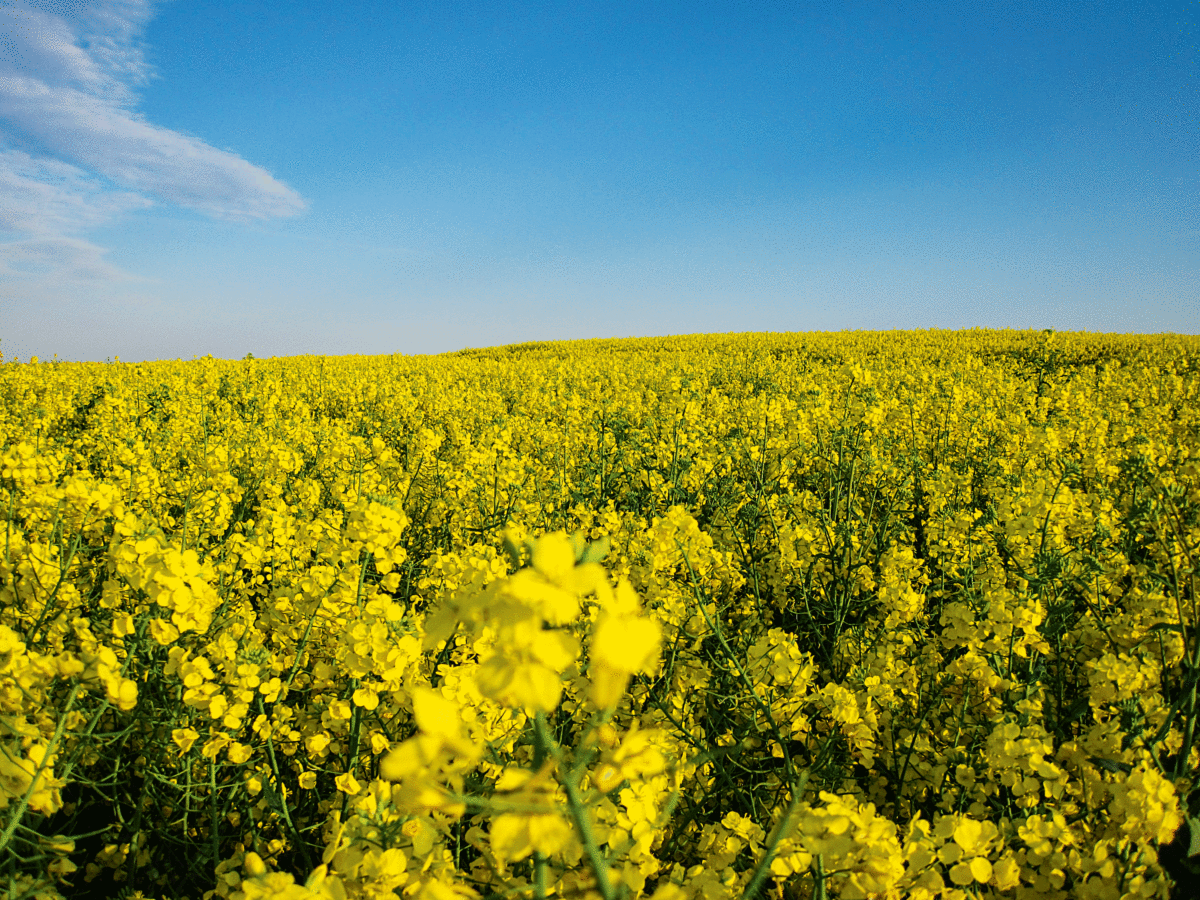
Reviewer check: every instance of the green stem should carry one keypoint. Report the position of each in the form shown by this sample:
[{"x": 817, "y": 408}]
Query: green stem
[
  {"x": 355, "y": 726},
  {"x": 31, "y": 638},
  {"x": 579, "y": 814},
  {"x": 539, "y": 858},
  {"x": 19, "y": 812},
  {"x": 214, "y": 830},
  {"x": 539, "y": 875},
  {"x": 819, "y": 889},
  {"x": 740, "y": 671},
  {"x": 782, "y": 829},
  {"x": 282, "y": 804}
]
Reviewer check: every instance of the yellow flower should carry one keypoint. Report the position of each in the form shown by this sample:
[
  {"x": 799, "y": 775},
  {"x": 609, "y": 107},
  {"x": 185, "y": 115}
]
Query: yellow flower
[
  {"x": 253, "y": 865},
  {"x": 1006, "y": 874},
  {"x": 1146, "y": 806},
  {"x": 626, "y": 643},
  {"x": 435, "y": 757},
  {"x": 974, "y": 837},
  {"x": 163, "y": 632},
  {"x": 621, "y": 645},
  {"x": 315, "y": 744},
  {"x": 386, "y": 869},
  {"x": 436, "y": 715},
  {"x": 215, "y": 745},
  {"x": 554, "y": 557},
  {"x": 17, "y": 779},
  {"x": 516, "y": 835},
  {"x": 123, "y": 625},
  {"x": 122, "y": 693},
  {"x": 422, "y": 833},
  {"x": 184, "y": 738},
  {"x": 274, "y": 886},
  {"x": 529, "y": 686}
]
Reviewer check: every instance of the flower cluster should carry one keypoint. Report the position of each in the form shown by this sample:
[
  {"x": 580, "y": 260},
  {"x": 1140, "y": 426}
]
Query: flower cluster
[{"x": 858, "y": 615}]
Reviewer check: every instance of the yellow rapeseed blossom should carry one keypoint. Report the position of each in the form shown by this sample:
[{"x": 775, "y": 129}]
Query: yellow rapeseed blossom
[
  {"x": 1145, "y": 806},
  {"x": 343, "y": 613},
  {"x": 622, "y": 644}
]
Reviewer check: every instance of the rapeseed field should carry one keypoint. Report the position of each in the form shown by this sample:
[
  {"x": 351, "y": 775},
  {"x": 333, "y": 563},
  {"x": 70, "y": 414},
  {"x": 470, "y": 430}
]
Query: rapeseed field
[{"x": 902, "y": 615}]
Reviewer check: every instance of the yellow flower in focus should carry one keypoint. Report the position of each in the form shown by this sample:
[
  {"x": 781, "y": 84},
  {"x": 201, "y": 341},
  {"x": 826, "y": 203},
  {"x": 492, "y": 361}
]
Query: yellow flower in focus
[
  {"x": 17, "y": 779},
  {"x": 977, "y": 870},
  {"x": 855, "y": 841},
  {"x": 966, "y": 853},
  {"x": 184, "y": 738},
  {"x": 1146, "y": 806},
  {"x": 271, "y": 689},
  {"x": 123, "y": 625},
  {"x": 163, "y": 632},
  {"x": 1006, "y": 873},
  {"x": 67, "y": 664},
  {"x": 366, "y": 698},
  {"x": 122, "y": 693},
  {"x": 315, "y": 744},
  {"x": 379, "y": 742},
  {"x": 973, "y": 837},
  {"x": 215, "y": 745},
  {"x": 638, "y": 757}
]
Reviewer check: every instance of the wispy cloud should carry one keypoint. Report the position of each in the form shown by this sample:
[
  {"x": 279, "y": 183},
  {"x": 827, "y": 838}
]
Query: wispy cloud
[
  {"x": 57, "y": 261},
  {"x": 69, "y": 75}
]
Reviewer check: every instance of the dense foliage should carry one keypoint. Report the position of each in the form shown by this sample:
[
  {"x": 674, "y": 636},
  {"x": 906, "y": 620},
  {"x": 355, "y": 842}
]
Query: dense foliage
[{"x": 858, "y": 615}]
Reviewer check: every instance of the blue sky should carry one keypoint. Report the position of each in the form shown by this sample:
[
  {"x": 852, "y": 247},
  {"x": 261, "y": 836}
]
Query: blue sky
[{"x": 186, "y": 178}]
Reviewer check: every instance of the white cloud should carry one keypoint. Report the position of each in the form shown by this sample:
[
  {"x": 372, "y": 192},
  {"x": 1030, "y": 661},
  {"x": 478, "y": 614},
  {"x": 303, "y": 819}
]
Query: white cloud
[
  {"x": 57, "y": 261},
  {"x": 121, "y": 146},
  {"x": 68, "y": 80},
  {"x": 46, "y": 196},
  {"x": 47, "y": 46}
]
